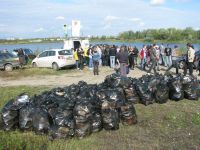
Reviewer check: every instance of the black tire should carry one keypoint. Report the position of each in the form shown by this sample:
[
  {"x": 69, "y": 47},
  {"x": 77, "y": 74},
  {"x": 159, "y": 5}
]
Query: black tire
[
  {"x": 8, "y": 67},
  {"x": 34, "y": 65},
  {"x": 55, "y": 66}
]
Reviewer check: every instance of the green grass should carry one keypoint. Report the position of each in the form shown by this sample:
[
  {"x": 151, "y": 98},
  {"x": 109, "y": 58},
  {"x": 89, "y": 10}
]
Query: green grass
[
  {"x": 174, "y": 125},
  {"x": 28, "y": 71}
]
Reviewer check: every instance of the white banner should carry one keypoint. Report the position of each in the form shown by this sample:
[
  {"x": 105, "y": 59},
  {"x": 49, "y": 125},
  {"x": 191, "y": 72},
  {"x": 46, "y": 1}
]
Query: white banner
[{"x": 76, "y": 26}]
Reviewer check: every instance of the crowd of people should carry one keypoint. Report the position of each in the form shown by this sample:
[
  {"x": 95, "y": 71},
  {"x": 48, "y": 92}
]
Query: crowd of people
[{"x": 124, "y": 58}]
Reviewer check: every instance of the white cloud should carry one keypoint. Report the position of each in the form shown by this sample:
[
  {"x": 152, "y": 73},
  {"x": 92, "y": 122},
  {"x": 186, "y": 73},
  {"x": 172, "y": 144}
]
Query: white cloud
[
  {"x": 60, "y": 18},
  {"x": 111, "y": 18},
  {"x": 157, "y": 2},
  {"x": 135, "y": 19},
  {"x": 39, "y": 30}
]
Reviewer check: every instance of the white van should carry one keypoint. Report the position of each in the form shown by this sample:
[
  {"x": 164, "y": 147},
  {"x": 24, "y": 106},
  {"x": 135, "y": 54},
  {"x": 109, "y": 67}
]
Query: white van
[{"x": 75, "y": 43}]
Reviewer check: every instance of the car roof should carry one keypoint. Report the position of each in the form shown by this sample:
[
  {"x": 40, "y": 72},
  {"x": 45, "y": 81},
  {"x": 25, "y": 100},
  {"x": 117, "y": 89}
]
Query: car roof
[{"x": 56, "y": 49}]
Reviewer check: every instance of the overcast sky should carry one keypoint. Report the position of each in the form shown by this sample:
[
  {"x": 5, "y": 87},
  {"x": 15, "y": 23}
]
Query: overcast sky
[{"x": 45, "y": 18}]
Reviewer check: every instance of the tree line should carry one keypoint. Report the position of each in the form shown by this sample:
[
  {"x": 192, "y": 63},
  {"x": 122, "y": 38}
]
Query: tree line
[{"x": 149, "y": 35}]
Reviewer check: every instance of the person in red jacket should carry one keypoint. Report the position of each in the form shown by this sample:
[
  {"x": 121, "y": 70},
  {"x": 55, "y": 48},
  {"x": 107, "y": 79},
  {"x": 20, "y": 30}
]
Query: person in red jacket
[{"x": 143, "y": 56}]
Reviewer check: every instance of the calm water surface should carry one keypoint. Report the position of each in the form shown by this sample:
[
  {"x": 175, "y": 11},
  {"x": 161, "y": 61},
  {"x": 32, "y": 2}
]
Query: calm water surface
[{"x": 38, "y": 47}]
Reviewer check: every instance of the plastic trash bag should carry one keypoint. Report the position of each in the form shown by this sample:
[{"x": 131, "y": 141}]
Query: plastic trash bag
[
  {"x": 176, "y": 89},
  {"x": 61, "y": 117},
  {"x": 197, "y": 87},
  {"x": 83, "y": 129},
  {"x": 114, "y": 97},
  {"x": 41, "y": 122},
  {"x": 10, "y": 112},
  {"x": 110, "y": 118},
  {"x": 83, "y": 116},
  {"x": 128, "y": 114},
  {"x": 59, "y": 132},
  {"x": 26, "y": 117},
  {"x": 131, "y": 95},
  {"x": 10, "y": 116},
  {"x": 146, "y": 96},
  {"x": 96, "y": 121},
  {"x": 162, "y": 93},
  {"x": 115, "y": 80},
  {"x": 190, "y": 92}
]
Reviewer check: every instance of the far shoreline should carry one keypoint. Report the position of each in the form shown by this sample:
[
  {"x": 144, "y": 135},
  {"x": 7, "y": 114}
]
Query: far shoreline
[{"x": 36, "y": 41}]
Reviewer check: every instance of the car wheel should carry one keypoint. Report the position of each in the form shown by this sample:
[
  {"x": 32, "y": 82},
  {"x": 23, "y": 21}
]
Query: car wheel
[
  {"x": 181, "y": 64},
  {"x": 34, "y": 65},
  {"x": 55, "y": 66},
  {"x": 8, "y": 67}
]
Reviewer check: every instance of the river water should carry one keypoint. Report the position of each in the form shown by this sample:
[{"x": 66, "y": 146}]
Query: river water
[{"x": 38, "y": 47}]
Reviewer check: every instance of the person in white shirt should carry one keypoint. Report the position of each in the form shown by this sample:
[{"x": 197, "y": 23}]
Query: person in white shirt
[
  {"x": 190, "y": 59},
  {"x": 163, "y": 55},
  {"x": 157, "y": 57}
]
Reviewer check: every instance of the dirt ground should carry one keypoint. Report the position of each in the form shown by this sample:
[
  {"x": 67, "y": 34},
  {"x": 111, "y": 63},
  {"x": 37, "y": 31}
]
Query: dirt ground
[{"x": 74, "y": 76}]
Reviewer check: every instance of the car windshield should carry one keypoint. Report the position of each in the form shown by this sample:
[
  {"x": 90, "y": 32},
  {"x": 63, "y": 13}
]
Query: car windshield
[
  {"x": 28, "y": 51},
  {"x": 6, "y": 55},
  {"x": 65, "y": 52}
]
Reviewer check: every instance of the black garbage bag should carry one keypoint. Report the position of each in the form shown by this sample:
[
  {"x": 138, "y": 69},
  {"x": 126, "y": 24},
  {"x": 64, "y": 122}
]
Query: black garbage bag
[
  {"x": 131, "y": 95},
  {"x": 26, "y": 117},
  {"x": 115, "y": 97},
  {"x": 83, "y": 129},
  {"x": 146, "y": 96},
  {"x": 96, "y": 121},
  {"x": 176, "y": 89},
  {"x": 73, "y": 89},
  {"x": 10, "y": 112},
  {"x": 115, "y": 80},
  {"x": 61, "y": 117},
  {"x": 41, "y": 121},
  {"x": 190, "y": 92},
  {"x": 10, "y": 116},
  {"x": 83, "y": 111},
  {"x": 110, "y": 118},
  {"x": 197, "y": 87},
  {"x": 83, "y": 90},
  {"x": 60, "y": 132},
  {"x": 44, "y": 100},
  {"x": 83, "y": 116},
  {"x": 128, "y": 114},
  {"x": 162, "y": 93}
]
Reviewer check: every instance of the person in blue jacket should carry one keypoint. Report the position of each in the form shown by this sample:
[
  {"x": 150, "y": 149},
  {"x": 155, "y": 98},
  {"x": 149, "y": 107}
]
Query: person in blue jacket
[{"x": 95, "y": 59}]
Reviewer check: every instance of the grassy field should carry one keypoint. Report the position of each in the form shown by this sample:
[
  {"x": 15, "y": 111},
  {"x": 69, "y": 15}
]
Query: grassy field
[
  {"x": 28, "y": 71},
  {"x": 174, "y": 125}
]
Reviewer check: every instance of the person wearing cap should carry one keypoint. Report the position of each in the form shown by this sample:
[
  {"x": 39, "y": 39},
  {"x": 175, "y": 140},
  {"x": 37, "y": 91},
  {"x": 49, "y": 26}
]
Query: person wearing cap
[{"x": 189, "y": 59}]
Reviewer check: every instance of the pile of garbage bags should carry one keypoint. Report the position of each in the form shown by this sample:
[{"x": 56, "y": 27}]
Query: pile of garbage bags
[{"x": 81, "y": 109}]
